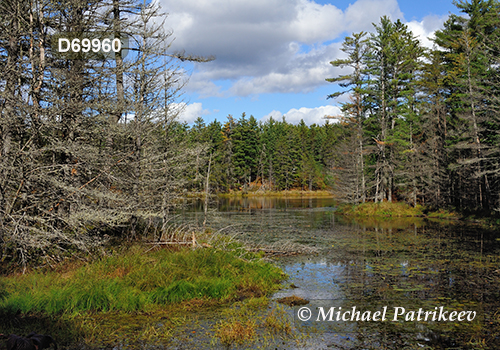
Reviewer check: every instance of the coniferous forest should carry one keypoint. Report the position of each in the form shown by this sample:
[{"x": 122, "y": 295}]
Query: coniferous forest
[{"x": 92, "y": 146}]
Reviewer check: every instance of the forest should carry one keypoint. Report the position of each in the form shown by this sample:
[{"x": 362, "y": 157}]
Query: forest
[{"x": 95, "y": 146}]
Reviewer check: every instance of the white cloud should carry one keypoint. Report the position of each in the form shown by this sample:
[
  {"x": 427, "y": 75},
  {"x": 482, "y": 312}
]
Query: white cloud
[
  {"x": 309, "y": 115},
  {"x": 266, "y": 45},
  {"x": 304, "y": 73},
  {"x": 276, "y": 115},
  {"x": 425, "y": 29},
  {"x": 204, "y": 87},
  {"x": 188, "y": 112},
  {"x": 360, "y": 15},
  {"x": 315, "y": 22}
]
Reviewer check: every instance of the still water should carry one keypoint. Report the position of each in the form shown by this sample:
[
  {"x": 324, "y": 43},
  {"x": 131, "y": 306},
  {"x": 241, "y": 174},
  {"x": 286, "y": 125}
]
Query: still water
[{"x": 409, "y": 266}]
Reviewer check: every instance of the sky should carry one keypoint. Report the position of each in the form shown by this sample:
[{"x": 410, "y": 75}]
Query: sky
[{"x": 272, "y": 56}]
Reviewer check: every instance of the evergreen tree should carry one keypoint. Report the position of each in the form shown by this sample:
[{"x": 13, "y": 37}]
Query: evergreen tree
[
  {"x": 431, "y": 149},
  {"x": 470, "y": 70},
  {"x": 245, "y": 142},
  {"x": 357, "y": 49}
]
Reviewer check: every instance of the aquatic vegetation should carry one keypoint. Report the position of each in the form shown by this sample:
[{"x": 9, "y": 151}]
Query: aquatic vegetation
[
  {"x": 443, "y": 214},
  {"x": 277, "y": 321},
  {"x": 293, "y": 301},
  {"x": 244, "y": 323},
  {"x": 133, "y": 280},
  {"x": 393, "y": 209},
  {"x": 234, "y": 331}
]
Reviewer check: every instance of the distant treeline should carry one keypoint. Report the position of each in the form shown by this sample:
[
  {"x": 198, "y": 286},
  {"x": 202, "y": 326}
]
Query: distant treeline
[{"x": 271, "y": 155}]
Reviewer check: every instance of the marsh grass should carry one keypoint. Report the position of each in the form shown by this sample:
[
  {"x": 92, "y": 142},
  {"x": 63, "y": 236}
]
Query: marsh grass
[
  {"x": 277, "y": 321},
  {"x": 381, "y": 209},
  {"x": 256, "y": 321},
  {"x": 132, "y": 280},
  {"x": 235, "y": 331},
  {"x": 277, "y": 194},
  {"x": 444, "y": 214}
]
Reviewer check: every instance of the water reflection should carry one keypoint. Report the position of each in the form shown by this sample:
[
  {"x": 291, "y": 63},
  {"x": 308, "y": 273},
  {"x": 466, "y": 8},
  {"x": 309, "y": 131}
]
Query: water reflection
[{"x": 410, "y": 261}]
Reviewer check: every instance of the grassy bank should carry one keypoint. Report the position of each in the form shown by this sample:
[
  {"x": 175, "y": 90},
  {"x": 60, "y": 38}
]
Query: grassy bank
[
  {"x": 387, "y": 209},
  {"x": 382, "y": 209},
  {"x": 135, "y": 295},
  {"x": 133, "y": 280},
  {"x": 277, "y": 194}
]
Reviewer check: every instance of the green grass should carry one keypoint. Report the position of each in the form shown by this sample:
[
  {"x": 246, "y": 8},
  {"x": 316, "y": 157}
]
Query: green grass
[
  {"x": 399, "y": 209},
  {"x": 133, "y": 280},
  {"x": 443, "y": 214},
  {"x": 393, "y": 209}
]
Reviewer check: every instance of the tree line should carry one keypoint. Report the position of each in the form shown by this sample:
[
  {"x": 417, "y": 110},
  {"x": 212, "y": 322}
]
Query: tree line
[
  {"x": 422, "y": 125},
  {"x": 273, "y": 155}
]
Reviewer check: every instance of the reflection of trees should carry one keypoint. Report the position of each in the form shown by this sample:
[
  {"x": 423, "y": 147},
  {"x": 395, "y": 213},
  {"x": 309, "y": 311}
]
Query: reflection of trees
[
  {"x": 408, "y": 262},
  {"x": 415, "y": 266}
]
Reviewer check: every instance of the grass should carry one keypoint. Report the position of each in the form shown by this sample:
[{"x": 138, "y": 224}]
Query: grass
[
  {"x": 137, "y": 294},
  {"x": 443, "y": 214},
  {"x": 243, "y": 327},
  {"x": 235, "y": 331},
  {"x": 132, "y": 280},
  {"x": 277, "y": 194},
  {"x": 247, "y": 323},
  {"x": 399, "y": 209},
  {"x": 278, "y": 322},
  {"x": 392, "y": 209}
]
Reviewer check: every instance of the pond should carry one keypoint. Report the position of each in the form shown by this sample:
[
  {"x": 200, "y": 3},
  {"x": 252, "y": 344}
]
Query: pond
[{"x": 425, "y": 275}]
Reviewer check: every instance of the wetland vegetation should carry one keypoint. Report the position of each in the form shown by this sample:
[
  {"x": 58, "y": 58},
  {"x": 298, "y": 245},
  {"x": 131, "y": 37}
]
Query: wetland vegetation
[{"x": 225, "y": 296}]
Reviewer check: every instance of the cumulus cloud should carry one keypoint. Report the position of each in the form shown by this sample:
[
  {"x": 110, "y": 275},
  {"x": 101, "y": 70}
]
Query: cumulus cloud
[
  {"x": 360, "y": 15},
  {"x": 304, "y": 74},
  {"x": 276, "y": 115},
  {"x": 188, "y": 112},
  {"x": 266, "y": 45},
  {"x": 425, "y": 29},
  {"x": 309, "y": 115}
]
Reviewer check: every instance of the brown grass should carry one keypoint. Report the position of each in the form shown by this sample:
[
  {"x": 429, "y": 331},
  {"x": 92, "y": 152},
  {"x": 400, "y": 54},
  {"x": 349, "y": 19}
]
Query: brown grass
[
  {"x": 278, "y": 194},
  {"x": 277, "y": 322},
  {"x": 235, "y": 332},
  {"x": 248, "y": 292}
]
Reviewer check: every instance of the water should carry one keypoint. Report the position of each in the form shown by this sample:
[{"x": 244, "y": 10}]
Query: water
[{"x": 410, "y": 262}]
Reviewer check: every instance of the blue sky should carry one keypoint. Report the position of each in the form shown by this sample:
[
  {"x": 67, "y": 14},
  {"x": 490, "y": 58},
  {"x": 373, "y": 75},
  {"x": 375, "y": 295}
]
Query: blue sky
[{"x": 272, "y": 56}]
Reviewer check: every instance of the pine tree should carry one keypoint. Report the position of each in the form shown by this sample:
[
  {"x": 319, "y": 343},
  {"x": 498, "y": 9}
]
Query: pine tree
[
  {"x": 469, "y": 56},
  {"x": 245, "y": 142},
  {"x": 357, "y": 49},
  {"x": 433, "y": 171},
  {"x": 393, "y": 65}
]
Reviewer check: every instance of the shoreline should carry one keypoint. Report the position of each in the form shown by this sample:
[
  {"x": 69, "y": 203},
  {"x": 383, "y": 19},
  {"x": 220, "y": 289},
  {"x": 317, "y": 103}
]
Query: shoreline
[
  {"x": 402, "y": 210},
  {"x": 277, "y": 194},
  {"x": 128, "y": 293}
]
